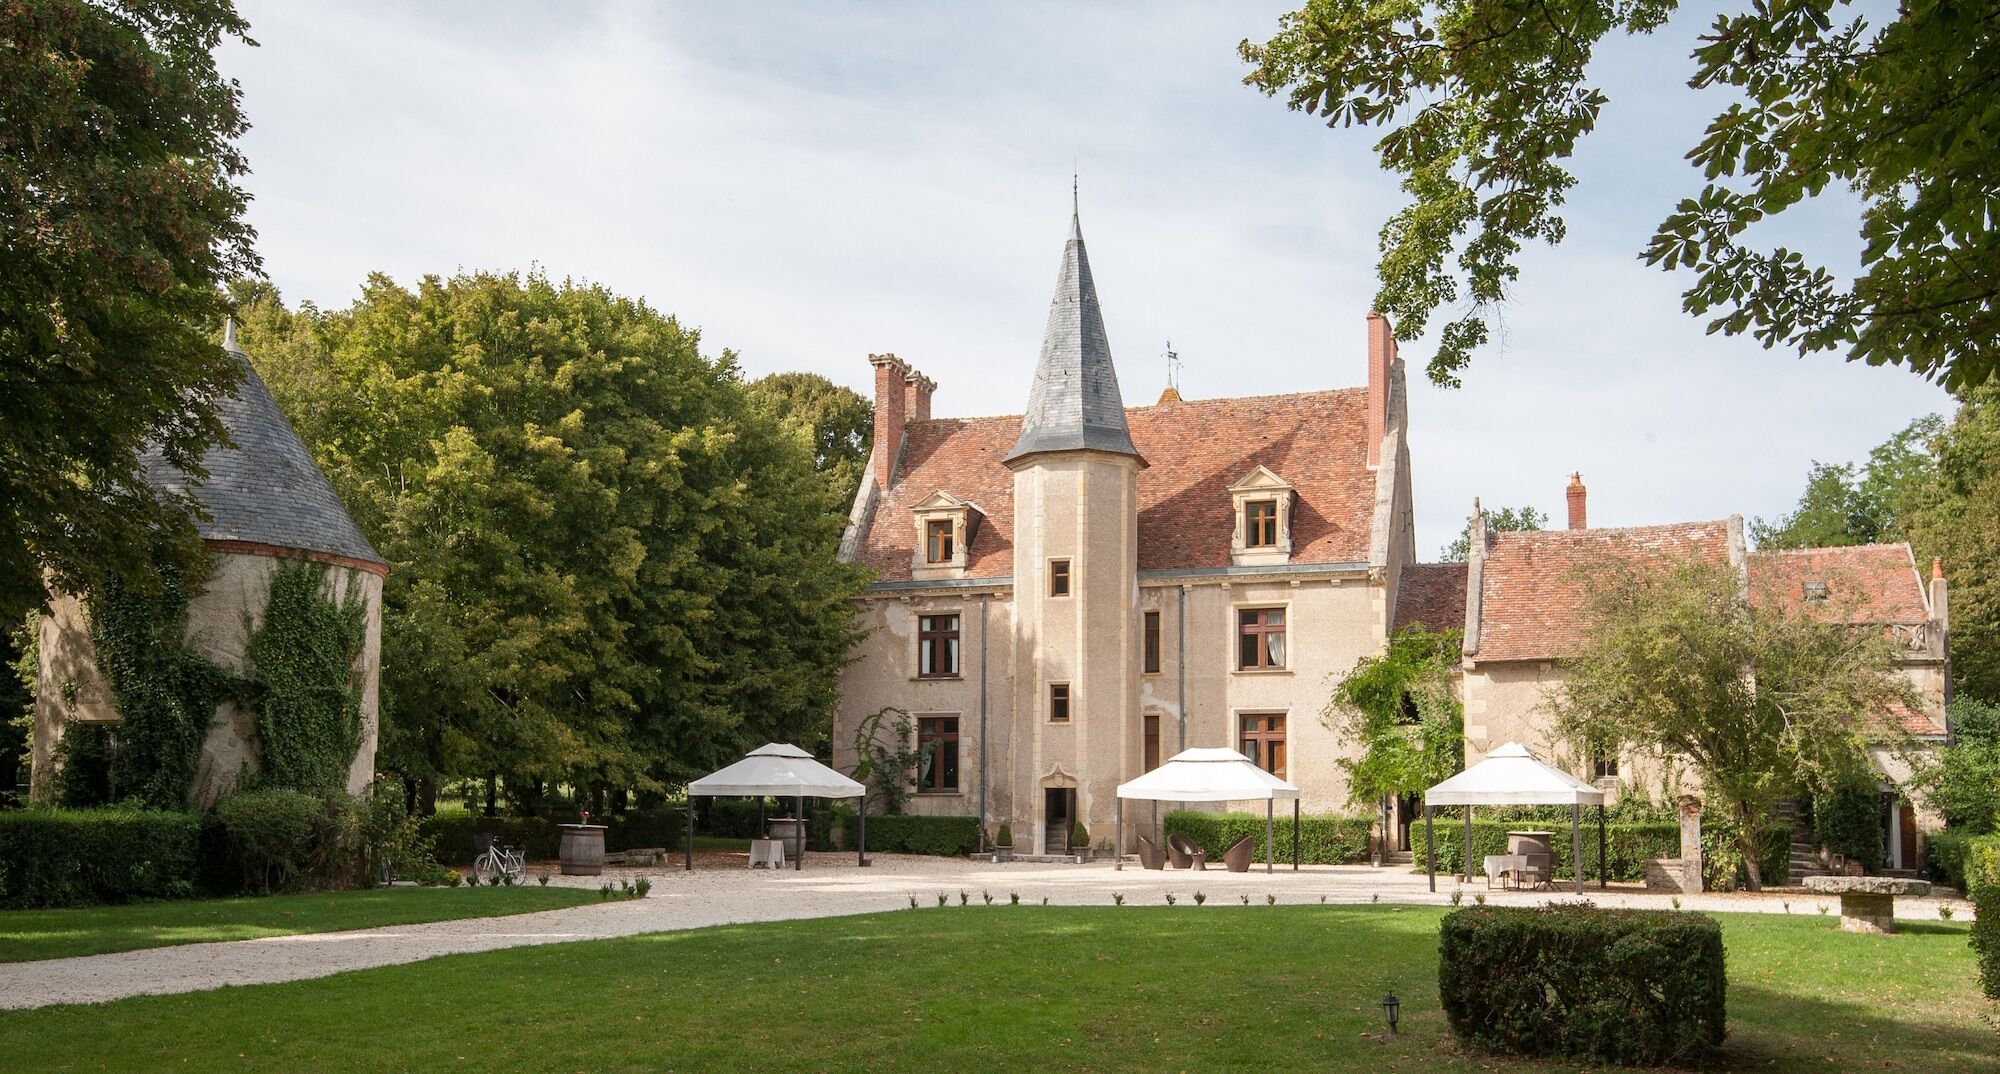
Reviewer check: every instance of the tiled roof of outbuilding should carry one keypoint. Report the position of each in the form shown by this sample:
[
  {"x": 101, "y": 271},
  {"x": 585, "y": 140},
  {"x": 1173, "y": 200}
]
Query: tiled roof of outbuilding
[
  {"x": 1432, "y": 594},
  {"x": 1530, "y": 598},
  {"x": 1867, "y": 583},
  {"x": 266, "y": 489},
  {"x": 1197, "y": 450}
]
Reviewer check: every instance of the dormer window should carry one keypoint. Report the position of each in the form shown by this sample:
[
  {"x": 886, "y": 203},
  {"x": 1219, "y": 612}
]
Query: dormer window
[
  {"x": 938, "y": 541},
  {"x": 1815, "y": 591},
  {"x": 1260, "y": 524},
  {"x": 1262, "y": 534},
  {"x": 945, "y": 526}
]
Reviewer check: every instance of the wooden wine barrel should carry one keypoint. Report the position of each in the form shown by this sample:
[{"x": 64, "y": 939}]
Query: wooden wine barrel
[{"x": 582, "y": 849}]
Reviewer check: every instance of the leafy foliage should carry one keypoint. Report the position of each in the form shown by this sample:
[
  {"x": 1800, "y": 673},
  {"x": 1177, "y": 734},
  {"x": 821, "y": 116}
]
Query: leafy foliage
[
  {"x": 1847, "y": 821},
  {"x": 1843, "y": 506},
  {"x": 612, "y": 566},
  {"x": 1324, "y": 839},
  {"x": 885, "y": 744},
  {"x": 120, "y": 216},
  {"x": 1400, "y": 706},
  {"x": 1962, "y": 781},
  {"x": 1629, "y": 845},
  {"x": 1635, "y": 987},
  {"x": 51, "y": 857},
  {"x": 840, "y": 422},
  {"x": 1501, "y": 520},
  {"x": 1953, "y": 515},
  {"x": 1485, "y": 102},
  {"x": 909, "y": 834},
  {"x": 1679, "y": 665},
  {"x": 303, "y": 687},
  {"x": 287, "y": 840}
]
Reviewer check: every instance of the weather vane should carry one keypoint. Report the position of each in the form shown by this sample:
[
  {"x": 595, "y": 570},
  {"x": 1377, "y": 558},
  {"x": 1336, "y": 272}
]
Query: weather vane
[{"x": 1173, "y": 366}]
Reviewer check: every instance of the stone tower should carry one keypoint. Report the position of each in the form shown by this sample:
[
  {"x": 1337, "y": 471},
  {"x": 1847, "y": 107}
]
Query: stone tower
[{"x": 1076, "y": 510}]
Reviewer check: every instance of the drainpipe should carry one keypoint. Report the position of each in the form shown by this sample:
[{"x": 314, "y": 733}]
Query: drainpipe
[
  {"x": 982, "y": 721},
  {"x": 1180, "y": 663}
]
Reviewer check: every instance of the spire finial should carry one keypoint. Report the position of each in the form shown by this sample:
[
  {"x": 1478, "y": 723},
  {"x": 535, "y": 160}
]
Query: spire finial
[{"x": 1074, "y": 202}]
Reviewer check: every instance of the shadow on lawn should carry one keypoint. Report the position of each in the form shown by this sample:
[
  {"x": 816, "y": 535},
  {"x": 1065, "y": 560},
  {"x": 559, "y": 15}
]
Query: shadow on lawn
[{"x": 1769, "y": 1028}]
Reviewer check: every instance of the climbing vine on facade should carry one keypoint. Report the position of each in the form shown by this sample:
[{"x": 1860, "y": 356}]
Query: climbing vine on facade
[{"x": 302, "y": 686}]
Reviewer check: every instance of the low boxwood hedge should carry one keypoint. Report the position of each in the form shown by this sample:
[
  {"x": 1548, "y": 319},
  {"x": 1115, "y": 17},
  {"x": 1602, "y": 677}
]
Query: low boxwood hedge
[
  {"x": 541, "y": 838},
  {"x": 54, "y": 858},
  {"x": 1638, "y": 987},
  {"x": 1629, "y": 847},
  {"x": 906, "y": 834},
  {"x": 1324, "y": 839},
  {"x": 1977, "y": 865}
]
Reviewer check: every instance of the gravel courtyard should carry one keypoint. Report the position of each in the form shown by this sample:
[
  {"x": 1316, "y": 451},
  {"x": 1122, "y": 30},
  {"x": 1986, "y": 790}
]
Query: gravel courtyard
[{"x": 721, "y": 891}]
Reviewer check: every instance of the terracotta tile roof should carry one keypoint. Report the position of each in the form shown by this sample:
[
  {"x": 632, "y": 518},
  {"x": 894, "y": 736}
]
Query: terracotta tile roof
[
  {"x": 1314, "y": 440},
  {"x": 1432, "y": 594},
  {"x": 1868, "y": 583},
  {"x": 1914, "y": 722},
  {"x": 1530, "y": 598}
]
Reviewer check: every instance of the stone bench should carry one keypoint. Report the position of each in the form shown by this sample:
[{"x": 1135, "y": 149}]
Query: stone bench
[
  {"x": 1867, "y": 903},
  {"x": 636, "y": 856}
]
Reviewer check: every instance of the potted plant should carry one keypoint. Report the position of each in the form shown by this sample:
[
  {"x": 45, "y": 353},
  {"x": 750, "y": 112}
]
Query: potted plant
[
  {"x": 1003, "y": 840},
  {"x": 1079, "y": 839},
  {"x": 836, "y": 831}
]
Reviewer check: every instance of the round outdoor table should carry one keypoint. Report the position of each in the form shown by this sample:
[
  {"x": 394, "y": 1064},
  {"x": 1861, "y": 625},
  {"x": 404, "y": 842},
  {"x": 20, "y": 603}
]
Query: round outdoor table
[{"x": 1867, "y": 903}]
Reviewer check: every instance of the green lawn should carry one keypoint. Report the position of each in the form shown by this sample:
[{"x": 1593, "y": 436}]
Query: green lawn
[
  {"x": 1001, "y": 988},
  {"x": 33, "y": 934}
]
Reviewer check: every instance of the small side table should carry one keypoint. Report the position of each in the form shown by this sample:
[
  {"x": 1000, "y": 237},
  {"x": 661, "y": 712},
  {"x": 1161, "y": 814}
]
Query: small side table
[{"x": 767, "y": 852}]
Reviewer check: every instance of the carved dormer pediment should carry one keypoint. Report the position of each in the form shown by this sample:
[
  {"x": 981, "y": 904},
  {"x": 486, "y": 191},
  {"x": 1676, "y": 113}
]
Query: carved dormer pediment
[
  {"x": 1262, "y": 503},
  {"x": 946, "y": 527}
]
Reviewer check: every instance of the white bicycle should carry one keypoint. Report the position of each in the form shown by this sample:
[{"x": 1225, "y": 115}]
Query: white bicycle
[{"x": 497, "y": 861}]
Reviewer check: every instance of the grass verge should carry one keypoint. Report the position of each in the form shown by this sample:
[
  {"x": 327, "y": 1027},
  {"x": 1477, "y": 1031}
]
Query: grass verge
[{"x": 26, "y": 935}]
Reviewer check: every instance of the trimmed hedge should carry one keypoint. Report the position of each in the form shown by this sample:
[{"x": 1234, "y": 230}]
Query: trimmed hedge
[
  {"x": 1629, "y": 847},
  {"x": 906, "y": 834},
  {"x": 541, "y": 838},
  {"x": 1324, "y": 838},
  {"x": 54, "y": 858},
  {"x": 1636, "y": 987},
  {"x": 1971, "y": 863}
]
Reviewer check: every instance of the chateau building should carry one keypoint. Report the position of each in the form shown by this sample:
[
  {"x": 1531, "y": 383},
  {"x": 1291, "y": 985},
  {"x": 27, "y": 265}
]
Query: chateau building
[{"x": 1067, "y": 596}]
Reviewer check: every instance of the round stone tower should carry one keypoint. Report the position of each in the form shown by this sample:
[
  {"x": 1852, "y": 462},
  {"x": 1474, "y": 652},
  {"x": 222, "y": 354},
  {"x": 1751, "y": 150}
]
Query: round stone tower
[{"x": 267, "y": 503}]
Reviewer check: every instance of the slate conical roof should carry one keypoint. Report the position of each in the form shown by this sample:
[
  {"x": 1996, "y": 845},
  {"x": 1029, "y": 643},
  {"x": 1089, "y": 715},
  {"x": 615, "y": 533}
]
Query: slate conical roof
[
  {"x": 266, "y": 489},
  {"x": 1074, "y": 404}
]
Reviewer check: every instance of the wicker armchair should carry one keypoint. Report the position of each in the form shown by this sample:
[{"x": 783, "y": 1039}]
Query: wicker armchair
[
  {"x": 1182, "y": 852},
  {"x": 1150, "y": 854},
  {"x": 1237, "y": 858}
]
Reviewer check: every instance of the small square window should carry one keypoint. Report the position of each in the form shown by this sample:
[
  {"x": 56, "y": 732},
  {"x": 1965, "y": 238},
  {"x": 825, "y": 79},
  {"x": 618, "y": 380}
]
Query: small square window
[
  {"x": 1260, "y": 524},
  {"x": 1058, "y": 702},
  {"x": 1815, "y": 590},
  {"x": 1059, "y": 578},
  {"x": 1604, "y": 768},
  {"x": 937, "y": 541}
]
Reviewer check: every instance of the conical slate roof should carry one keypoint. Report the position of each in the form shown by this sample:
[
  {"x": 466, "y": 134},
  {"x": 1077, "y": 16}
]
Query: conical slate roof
[
  {"x": 266, "y": 489},
  {"x": 1074, "y": 404}
]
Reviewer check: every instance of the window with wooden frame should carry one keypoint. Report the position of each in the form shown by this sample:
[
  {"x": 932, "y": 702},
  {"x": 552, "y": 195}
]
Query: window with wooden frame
[
  {"x": 1152, "y": 733},
  {"x": 1604, "y": 768},
  {"x": 1260, "y": 639},
  {"x": 1260, "y": 524},
  {"x": 1263, "y": 741},
  {"x": 1058, "y": 702},
  {"x": 1151, "y": 643},
  {"x": 1059, "y": 578},
  {"x": 937, "y": 646},
  {"x": 937, "y": 754},
  {"x": 937, "y": 540}
]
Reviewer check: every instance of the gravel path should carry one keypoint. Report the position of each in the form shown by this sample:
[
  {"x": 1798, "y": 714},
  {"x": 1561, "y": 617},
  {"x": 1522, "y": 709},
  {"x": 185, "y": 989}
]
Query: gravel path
[{"x": 829, "y": 886}]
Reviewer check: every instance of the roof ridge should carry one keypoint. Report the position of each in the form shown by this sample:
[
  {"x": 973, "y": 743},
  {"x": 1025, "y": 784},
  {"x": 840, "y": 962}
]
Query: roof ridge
[
  {"x": 1885, "y": 545},
  {"x": 1605, "y": 531}
]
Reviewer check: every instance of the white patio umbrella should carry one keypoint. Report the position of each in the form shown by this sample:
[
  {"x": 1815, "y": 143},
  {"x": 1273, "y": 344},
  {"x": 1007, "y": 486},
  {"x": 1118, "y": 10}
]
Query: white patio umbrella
[
  {"x": 1214, "y": 775},
  {"x": 1513, "y": 775},
  {"x": 780, "y": 770}
]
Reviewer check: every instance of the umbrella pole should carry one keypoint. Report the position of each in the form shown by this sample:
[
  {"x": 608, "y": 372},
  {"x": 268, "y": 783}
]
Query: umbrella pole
[
  {"x": 1576, "y": 841},
  {"x": 1270, "y": 835},
  {"x": 1603, "y": 866},
  {"x": 1465, "y": 863},
  {"x": 861, "y": 840},
  {"x": 799, "y": 835},
  {"x": 1430, "y": 845},
  {"x": 1119, "y": 859},
  {"x": 1156, "y": 823},
  {"x": 1295, "y": 835},
  {"x": 690, "y": 836},
  {"x": 762, "y": 831}
]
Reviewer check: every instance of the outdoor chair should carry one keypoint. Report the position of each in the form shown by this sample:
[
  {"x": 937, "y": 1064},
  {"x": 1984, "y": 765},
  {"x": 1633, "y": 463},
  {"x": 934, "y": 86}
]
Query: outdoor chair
[
  {"x": 1237, "y": 858},
  {"x": 1534, "y": 871},
  {"x": 1150, "y": 854},
  {"x": 1184, "y": 854}
]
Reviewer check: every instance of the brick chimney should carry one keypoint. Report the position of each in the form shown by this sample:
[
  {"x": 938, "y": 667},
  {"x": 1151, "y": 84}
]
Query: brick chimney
[
  {"x": 917, "y": 390},
  {"x": 1381, "y": 356},
  {"x": 891, "y": 400},
  {"x": 1576, "y": 494},
  {"x": 1940, "y": 596}
]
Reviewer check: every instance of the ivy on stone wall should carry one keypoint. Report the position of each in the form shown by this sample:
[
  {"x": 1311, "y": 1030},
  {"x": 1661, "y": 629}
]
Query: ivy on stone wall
[
  {"x": 302, "y": 686},
  {"x": 166, "y": 695}
]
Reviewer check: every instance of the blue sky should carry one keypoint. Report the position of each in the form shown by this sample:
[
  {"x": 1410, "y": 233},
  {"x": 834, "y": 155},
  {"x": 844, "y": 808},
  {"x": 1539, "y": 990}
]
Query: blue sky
[{"x": 809, "y": 184}]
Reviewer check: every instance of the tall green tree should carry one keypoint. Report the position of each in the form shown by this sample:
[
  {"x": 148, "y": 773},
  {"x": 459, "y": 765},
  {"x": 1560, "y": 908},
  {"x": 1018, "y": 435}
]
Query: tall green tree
[
  {"x": 1845, "y": 505},
  {"x": 1681, "y": 665},
  {"x": 120, "y": 216},
  {"x": 1962, "y": 781},
  {"x": 1399, "y": 705},
  {"x": 1484, "y": 101},
  {"x": 1954, "y": 513},
  {"x": 610, "y": 564},
  {"x": 1498, "y": 520},
  {"x": 839, "y": 419}
]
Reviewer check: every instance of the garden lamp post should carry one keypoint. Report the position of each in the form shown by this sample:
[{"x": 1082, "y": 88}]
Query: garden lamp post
[{"x": 1391, "y": 1007}]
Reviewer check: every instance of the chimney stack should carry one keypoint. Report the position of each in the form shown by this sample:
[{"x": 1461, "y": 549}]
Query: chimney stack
[
  {"x": 1940, "y": 596},
  {"x": 1381, "y": 357},
  {"x": 891, "y": 414},
  {"x": 1576, "y": 495},
  {"x": 917, "y": 396}
]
